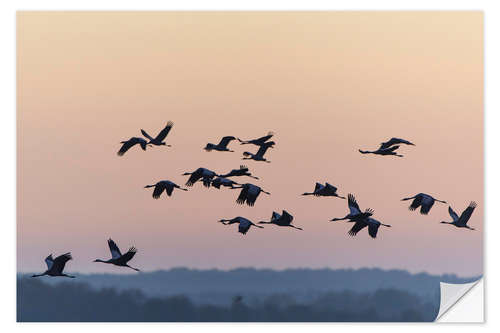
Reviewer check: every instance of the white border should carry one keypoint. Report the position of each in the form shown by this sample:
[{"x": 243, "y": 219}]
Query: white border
[{"x": 8, "y": 234}]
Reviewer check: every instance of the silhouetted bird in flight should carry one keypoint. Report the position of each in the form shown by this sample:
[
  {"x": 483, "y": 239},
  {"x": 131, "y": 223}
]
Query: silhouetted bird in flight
[
  {"x": 461, "y": 222},
  {"x": 244, "y": 224},
  {"x": 222, "y": 145},
  {"x": 242, "y": 171},
  {"x": 117, "y": 258},
  {"x": 384, "y": 152},
  {"x": 126, "y": 145},
  {"x": 259, "y": 141},
  {"x": 395, "y": 141},
  {"x": 164, "y": 185},
  {"x": 259, "y": 156},
  {"x": 56, "y": 266},
  {"x": 201, "y": 173},
  {"x": 355, "y": 213},
  {"x": 221, "y": 181},
  {"x": 326, "y": 190},
  {"x": 249, "y": 194},
  {"x": 424, "y": 201},
  {"x": 158, "y": 141},
  {"x": 369, "y": 222},
  {"x": 283, "y": 220}
]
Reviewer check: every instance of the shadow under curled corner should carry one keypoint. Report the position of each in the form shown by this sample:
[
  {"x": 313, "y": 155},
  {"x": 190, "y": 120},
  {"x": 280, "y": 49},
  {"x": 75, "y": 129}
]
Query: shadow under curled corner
[{"x": 459, "y": 299}]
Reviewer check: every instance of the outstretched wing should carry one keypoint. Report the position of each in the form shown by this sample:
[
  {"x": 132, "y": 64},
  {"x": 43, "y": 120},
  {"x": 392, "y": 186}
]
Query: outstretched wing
[
  {"x": 127, "y": 145},
  {"x": 263, "y": 139},
  {"x": 389, "y": 143},
  {"x": 394, "y": 141},
  {"x": 416, "y": 203},
  {"x": 466, "y": 214},
  {"x": 453, "y": 215},
  {"x": 357, "y": 227},
  {"x": 427, "y": 203},
  {"x": 225, "y": 141},
  {"x": 115, "y": 251},
  {"x": 243, "y": 195},
  {"x": 372, "y": 229},
  {"x": 393, "y": 148},
  {"x": 317, "y": 187},
  {"x": 287, "y": 217},
  {"x": 195, "y": 176},
  {"x": 158, "y": 190},
  {"x": 49, "y": 261},
  {"x": 332, "y": 188},
  {"x": 352, "y": 204},
  {"x": 252, "y": 194},
  {"x": 130, "y": 254},
  {"x": 262, "y": 150},
  {"x": 60, "y": 261},
  {"x": 169, "y": 189},
  {"x": 164, "y": 132},
  {"x": 275, "y": 216},
  {"x": 146, "y": 134}
]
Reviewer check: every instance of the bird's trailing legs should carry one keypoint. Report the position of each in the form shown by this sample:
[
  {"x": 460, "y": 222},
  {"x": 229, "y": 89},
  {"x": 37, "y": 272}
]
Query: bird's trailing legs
[{"x": 135, "y": 269}]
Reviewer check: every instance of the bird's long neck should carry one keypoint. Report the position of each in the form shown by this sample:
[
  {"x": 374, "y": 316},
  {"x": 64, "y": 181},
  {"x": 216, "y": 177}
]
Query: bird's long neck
[
  {"x": 37, "y": 275},
  {"x": 365, "y": 151},
  {"x": 266, "y": 222},
  {"x": 408, "y": 198},
  {"x": 148, "y": 186},
  {"x": 99, "y": 260},
  {"x": 69, "y": 276},
  {"x": 295, "y": 227},
  {"x": 385, "y": 225},
  {"x": 307, "y": 193},
  {"x": 440, "y": 201}
]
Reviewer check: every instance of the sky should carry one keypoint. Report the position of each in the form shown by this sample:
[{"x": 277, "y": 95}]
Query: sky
[{"x": 326, "y": 83}]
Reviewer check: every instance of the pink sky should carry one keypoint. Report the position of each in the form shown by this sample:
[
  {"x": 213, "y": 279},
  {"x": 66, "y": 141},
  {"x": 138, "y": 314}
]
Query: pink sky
[{"x": 327, "y": 83}]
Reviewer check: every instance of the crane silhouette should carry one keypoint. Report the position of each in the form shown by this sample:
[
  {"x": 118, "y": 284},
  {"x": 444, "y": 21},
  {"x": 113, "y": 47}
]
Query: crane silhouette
[
  {"x": 384, "y": 151},
  {"x": 249, "y": 194},
  {"x": 201, "y": 173},
  {"x": 355, "y": 213},
  {"x": 242, "y": 171},
  {"x": 164, "y": 185},
  {"x": 326, "y": 190},
  {"x": 283, "y": 220},
  {"x": 259, "y": 156},
  {"x": 461, "y": 222},
  {"x": 126, "y": 145},
  {"x": 369, "y": 222},
  {"x": 424, "y": 201},
  {"x": 395, "y": 141},
  {"x": 117, "y": 258},
  {"x": 222, "y": 145},
  {"x": 258, "y": 142},
  {"x": 244, "y": 224},
  {"x": 158, "y": 141},
  {"x": 221, "y": 181},
  {"x": 55, "y": 266}
]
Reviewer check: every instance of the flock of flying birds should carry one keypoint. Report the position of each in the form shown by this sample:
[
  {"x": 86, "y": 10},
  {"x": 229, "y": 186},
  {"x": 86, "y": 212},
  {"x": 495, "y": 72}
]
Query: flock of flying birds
[{"x": 250, "y": 192}]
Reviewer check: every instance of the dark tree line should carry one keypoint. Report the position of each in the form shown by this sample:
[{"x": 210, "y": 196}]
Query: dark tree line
[{"x": 38, "y": 301}]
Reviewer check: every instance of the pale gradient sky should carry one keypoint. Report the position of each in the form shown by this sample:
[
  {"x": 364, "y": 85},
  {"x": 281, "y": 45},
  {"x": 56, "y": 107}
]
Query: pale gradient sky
[{"x": 327, "y": 83}]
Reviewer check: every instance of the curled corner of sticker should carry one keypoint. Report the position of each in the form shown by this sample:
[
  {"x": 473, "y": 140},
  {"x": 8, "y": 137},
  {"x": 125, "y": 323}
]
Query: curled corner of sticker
[{"x": 451, "y": 294}]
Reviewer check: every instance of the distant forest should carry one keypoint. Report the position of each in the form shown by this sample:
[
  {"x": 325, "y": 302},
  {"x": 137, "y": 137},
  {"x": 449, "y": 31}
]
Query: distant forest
[
  {"x": 71, "y": 301},
  {"x": 243, "y": 294}
]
